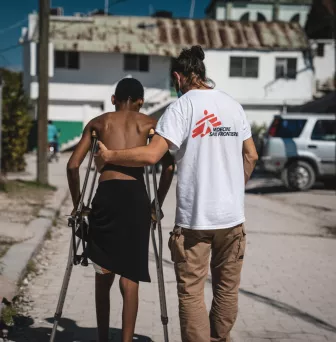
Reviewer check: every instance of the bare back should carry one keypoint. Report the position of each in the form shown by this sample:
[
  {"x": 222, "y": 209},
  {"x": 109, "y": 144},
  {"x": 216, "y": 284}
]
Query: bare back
[{"x": 122, "y": 130}]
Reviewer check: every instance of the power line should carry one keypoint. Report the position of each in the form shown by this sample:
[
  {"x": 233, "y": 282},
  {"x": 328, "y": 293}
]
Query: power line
[
  {"x": 17, "y": 24},
  {"x": 12, "y": 47}
]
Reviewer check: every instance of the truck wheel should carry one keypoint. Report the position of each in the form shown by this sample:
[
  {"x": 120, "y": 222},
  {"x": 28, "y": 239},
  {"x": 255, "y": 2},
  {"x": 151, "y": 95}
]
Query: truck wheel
[{"x": 299, "y": 175}]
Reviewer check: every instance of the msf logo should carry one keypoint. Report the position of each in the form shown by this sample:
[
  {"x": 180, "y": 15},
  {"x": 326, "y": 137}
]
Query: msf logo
[{"x": 205, "y": 125}]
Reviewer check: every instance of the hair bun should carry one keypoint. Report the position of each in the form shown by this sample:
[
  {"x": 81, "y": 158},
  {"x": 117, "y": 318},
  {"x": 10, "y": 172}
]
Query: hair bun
[{"x": 197, "y": 52}]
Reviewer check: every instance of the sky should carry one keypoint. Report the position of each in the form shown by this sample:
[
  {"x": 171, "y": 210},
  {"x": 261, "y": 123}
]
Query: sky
[{"x": 14, "y": 15}]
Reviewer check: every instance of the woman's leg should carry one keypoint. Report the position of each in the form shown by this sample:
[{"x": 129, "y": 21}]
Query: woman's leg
[
  {"x": 130, "y": 293},
  {"x": 103, "y": 286}
]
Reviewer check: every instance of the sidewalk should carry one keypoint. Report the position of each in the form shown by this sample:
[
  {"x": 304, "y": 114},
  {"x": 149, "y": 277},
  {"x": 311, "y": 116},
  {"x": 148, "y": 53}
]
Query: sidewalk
[
  {"x": 288, "y": 291},
  {"x": 27, "y": 233}
]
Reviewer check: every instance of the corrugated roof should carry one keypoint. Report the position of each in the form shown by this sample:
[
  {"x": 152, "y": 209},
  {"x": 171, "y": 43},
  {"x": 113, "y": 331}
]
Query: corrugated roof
[{"x": 166, "y": 37}]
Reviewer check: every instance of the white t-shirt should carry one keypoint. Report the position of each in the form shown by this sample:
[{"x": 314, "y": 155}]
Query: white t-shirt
[{"x": 208, "y": 128}]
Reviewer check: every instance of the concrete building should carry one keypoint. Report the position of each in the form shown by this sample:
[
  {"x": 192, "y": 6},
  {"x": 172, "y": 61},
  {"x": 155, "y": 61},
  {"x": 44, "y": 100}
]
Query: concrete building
[
  {"x": 260, "y": 10},
  {"x": 264, "y": 65}
]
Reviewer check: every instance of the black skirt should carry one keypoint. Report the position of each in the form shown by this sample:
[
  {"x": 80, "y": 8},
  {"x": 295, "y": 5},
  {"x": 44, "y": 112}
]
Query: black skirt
[{"x": 119, "y": 231}]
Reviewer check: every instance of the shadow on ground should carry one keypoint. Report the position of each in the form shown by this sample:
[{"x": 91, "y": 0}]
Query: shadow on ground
[
  {"x": 290, "y": 310},
  {"x": 68, "y": 331},
  {"x": 269, "y": 187}
]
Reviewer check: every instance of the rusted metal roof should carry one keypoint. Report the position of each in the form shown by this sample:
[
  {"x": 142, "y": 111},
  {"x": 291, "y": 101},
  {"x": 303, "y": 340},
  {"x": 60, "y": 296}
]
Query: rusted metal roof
[{"x": 166, "y": 37}]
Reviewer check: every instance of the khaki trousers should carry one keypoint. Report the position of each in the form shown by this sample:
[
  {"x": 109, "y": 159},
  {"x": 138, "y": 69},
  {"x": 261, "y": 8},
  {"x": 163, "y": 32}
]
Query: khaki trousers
[{"x": 190, "y": 252}]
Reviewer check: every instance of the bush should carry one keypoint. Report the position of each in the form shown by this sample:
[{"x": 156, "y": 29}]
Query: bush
[
  {"x": 258, "y": 132},
  {"x": 16, "y": 122}
]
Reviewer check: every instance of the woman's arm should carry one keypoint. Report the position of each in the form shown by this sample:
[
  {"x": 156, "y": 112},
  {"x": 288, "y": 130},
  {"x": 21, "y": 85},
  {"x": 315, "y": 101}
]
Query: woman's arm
[
  {"x": 136, "y": 157},
  {"x": 75, "y": 162},
  {"x": 167, "y": 173}
]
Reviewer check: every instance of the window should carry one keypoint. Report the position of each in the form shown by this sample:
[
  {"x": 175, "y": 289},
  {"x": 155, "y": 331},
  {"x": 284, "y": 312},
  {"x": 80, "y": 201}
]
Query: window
[
  {"x": 320, "y": 50},
  {"x": 136, "y": 62},
  {"x": 245, "y": 17},
  {"x": 261, "y": 17},
  {"x": 295, "y": 18},
  {"x": 244, "y": 67},
  {"x": 324, "y": 130},
  {"x": 286, "y": 128},
  {"x": 66, "y": 59},
  {"x": 285, "y": 68}
]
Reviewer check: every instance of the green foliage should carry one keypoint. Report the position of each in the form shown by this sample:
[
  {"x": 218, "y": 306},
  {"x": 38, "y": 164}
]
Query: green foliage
[
  {"x": 7, "y": 315},
  {"x": 258, "y": 130},
  {"x": 16, "y": 122}
]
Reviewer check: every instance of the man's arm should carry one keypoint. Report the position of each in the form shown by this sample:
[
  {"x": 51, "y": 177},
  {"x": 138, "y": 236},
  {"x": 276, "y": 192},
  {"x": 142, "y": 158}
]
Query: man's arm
[
  {"x": 74, "y": 163},
  {"x": 250, "y": 157},
  {"x": 138, "y": 156}
]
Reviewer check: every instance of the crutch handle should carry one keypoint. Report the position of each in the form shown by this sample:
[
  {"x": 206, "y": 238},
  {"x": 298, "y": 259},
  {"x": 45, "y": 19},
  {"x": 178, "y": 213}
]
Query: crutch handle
[{"x": 151, "y": 133}]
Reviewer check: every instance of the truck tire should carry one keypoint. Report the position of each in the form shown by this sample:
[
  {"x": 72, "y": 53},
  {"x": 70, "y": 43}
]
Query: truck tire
[{"x": 299, "y": 176}]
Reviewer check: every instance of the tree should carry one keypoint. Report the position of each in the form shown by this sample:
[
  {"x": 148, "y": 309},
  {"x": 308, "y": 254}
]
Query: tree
[{"x": 16, "y": 122}]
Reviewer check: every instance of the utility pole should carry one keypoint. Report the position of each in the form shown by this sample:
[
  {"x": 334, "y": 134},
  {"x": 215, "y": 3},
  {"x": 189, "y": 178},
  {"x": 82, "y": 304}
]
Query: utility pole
[
  {"x": 1, "y": 84},
  {"x": 334, "y": 26},
  {"x": 43, "y": 99}
]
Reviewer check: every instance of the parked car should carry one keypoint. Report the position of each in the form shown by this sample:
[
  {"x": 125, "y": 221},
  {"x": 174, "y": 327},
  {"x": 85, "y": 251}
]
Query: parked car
[{"x": 301, "y": 148}]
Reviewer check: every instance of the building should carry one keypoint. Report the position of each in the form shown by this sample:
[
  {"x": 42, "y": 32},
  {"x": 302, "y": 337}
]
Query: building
[
  {"x": 260, "y": 10},
  {"x": 320, "y": 28},
  {"x": 264, "y": 65}
]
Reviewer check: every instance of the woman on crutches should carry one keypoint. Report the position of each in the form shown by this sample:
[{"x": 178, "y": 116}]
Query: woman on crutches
[
  {"x": 120, "y": 217},
  {"x": 215, "y": 158}
]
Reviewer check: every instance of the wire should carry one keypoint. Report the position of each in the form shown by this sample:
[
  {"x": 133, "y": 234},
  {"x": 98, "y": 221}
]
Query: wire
[
  {"x": 17, "y": 24},
  {"x": 10, "y": 48}
]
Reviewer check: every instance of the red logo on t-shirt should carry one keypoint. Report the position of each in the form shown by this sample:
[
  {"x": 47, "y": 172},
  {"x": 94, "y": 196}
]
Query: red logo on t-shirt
[{"x": 204, "y": 126}]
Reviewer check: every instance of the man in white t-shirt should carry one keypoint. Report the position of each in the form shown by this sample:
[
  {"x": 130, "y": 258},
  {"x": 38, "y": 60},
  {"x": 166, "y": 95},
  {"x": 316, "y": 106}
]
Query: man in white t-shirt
[{"x": 215, "y": 158}]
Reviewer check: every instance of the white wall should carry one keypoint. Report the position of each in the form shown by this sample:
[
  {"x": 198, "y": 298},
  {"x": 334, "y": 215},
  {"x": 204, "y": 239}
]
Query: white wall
[
  {"x": 108, "y": 68},
  {"x": 26, "y": 67},
  {"x": 260, "y": 90},
  {"x": 220, "y": 12},
  {"x": 287, "y": 11},
  {"x": 285, "y": 14},
  {"x": 324, "y": 66},
  {"x": 253, "y": 9},
  {"x": 261, "y": 116},
  {"x": 63, "y": 111}
]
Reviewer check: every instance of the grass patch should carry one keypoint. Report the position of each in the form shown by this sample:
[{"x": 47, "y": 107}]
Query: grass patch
[
  {"x": 48, "y": 235},
  {"x": 20, "y": 185},
  {"x": 7, "y": 315},
  {"x": 31, "y": 267},
  {"x": 5, "y": 244}
]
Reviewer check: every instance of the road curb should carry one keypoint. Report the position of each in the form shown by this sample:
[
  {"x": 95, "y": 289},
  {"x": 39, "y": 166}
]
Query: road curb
[{"x": 16, "y": 259}]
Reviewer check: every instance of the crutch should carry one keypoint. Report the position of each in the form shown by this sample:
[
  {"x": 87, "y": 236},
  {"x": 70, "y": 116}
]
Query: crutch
[
  {"x": 76, "y": 221},
  {"x": 158, "y": 251}
]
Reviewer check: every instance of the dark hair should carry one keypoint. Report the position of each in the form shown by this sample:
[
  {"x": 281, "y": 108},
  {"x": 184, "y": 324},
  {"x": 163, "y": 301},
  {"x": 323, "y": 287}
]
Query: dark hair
[
  {"x": 129, "y": 88},
  {"x": 190, "y": 64}
]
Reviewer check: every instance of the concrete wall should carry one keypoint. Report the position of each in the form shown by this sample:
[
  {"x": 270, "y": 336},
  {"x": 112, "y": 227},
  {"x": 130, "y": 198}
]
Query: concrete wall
[
  {"x": 108, "y": 68},
  {"x": 286, "y": 12},
  {"x": 324, "y": 66},
  {"x": 252, "y": 9},
  {"x": 265, "y": 89}
]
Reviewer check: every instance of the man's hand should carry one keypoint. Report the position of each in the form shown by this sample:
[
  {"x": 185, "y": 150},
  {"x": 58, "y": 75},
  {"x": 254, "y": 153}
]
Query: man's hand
[
  {"x": 101, "y": 156},
  {"x": 154, "y": 212}
]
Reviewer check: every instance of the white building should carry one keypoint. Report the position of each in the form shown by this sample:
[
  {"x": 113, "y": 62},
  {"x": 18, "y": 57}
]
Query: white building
[
  {"x": 263, "y": 65},
  {"x": 260, "y": 10},
  {"x": 324, "y": 63}
]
